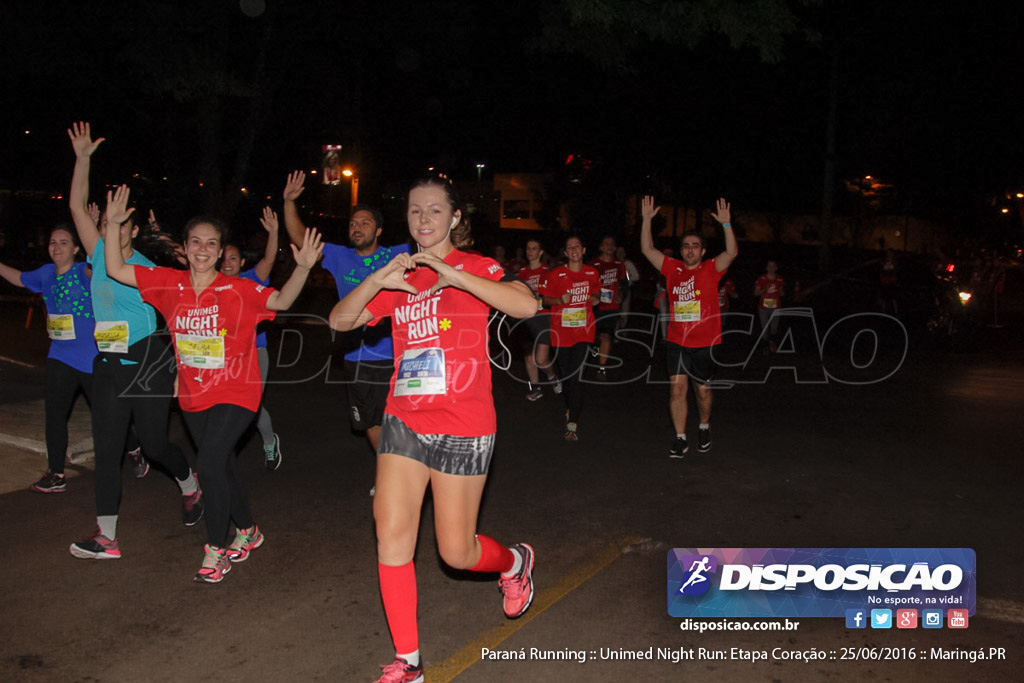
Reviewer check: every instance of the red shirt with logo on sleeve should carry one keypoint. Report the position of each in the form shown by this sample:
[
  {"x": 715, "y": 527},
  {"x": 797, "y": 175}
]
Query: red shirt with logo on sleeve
[
  {"x": 573, "y": 322},
  {"x": 534, "y": 278},
  {"x": 454, "y": 323},
  {"x": 771, "y": 292},
  {"x": 694, "y": 315},
  {"x": 610, "y": 274},
  {"x": 213, "y": 333}
]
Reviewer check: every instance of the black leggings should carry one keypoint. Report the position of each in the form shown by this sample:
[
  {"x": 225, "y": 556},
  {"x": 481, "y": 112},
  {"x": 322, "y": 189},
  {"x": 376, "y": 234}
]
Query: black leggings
[
  {"x": 216, "y": 431},
  {"x": 62, "y": 385},
  {"x": 121, "y": 393},
  {"x": 569, "y": 361}
]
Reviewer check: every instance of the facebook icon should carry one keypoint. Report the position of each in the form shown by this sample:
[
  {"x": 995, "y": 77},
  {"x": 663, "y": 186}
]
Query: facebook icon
[{"x": 856, "y": 618}]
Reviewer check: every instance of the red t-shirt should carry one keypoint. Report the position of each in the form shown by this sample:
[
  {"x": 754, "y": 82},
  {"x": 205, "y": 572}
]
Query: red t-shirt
[
  {"x": 534, "y": 278},
  {"x": 610, "y": 273},
  {"x": 214, "y": 335},
  {"x": 694, "y": 315},
  {"x": 451, "y": 324},
  {"x": 771, "y": 291},
  {"x": 572, "y": 323},
  {"x": 726, "y": 290}
]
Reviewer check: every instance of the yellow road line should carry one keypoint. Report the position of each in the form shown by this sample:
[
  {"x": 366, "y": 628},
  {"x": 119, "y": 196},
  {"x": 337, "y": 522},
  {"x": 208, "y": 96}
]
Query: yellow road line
[{"x": 470, "y": 653}]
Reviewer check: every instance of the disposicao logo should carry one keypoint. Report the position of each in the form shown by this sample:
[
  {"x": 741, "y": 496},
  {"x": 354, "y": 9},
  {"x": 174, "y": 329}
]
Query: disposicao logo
[{"x": 818, "y": 582}]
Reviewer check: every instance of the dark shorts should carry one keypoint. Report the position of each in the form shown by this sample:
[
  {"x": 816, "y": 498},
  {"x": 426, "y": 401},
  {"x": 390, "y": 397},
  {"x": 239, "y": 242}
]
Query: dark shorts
[
  {"x": 369, "y": 382},
  {"x": 695, "y": 362},
  {"x": 463, "y": 455},
  {"x": 605, "y": 322},
  {"x": 539, "y": 329}
]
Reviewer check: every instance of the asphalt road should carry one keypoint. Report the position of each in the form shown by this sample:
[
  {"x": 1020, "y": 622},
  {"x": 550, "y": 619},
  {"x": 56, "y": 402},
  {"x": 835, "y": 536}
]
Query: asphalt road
[{"x": 915, "y": 451}]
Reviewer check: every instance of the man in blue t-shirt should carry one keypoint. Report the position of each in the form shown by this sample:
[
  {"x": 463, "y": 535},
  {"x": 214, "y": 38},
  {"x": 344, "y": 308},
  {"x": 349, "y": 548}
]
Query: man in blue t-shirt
[{"x": 369, "y": 355}]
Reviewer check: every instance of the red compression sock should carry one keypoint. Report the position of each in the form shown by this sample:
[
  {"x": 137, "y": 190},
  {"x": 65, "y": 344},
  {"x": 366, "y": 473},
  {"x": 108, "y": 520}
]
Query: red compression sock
[
  {"x": 398, "y": 592},
  {"x": 494, "y": 557}
]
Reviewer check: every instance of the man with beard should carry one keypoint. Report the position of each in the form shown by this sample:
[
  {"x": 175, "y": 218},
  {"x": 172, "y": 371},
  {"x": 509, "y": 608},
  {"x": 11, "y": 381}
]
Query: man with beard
[
  {"x": 695, "y": 322},
  {"x": 369, "y": 355}
]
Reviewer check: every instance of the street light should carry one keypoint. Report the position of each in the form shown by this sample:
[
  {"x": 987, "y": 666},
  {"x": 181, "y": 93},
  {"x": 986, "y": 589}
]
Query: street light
[
  {"x": 351, "y": 175},
  {"x": 479, "y": 170}
]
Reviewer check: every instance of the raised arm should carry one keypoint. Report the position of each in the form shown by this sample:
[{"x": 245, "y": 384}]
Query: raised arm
[
  {"x": 648, "y": 210},
  {"x": 305, "y": 258},
  {"x": 117, "y": 213},
  {"x": 724, "y": 216},
  {"x": 12, "y": 275},
  {"x": 78, "y": 197},
  {"x": 266, "y": 264},
  {"x": 350, "y": 312},
  {"x": 292, "y": 223}
]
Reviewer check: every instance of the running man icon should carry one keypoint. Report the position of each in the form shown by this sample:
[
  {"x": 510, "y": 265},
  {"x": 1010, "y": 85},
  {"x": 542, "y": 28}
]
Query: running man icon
[{"x": 696, "y": 570}]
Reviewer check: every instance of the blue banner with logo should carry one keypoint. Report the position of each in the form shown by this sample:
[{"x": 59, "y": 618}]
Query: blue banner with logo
[{"x": 818, "y": 582}]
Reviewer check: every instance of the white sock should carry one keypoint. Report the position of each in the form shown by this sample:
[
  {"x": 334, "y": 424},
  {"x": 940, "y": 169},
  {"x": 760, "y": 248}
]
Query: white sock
[
  {"x": 517, "y": 564},
  {"x": 188, "y": 485},
  {"x": 107, "y": 525},
  {"x": 681, "y": 436},
  {"x": 705, "y": 425},
  {"x": 413, "y": 658}
]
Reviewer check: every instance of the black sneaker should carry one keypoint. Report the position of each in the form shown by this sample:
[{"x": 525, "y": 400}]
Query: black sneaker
[
  {"x": 704, "y": 440},
  {"x": 678, "y": 448},
  {"x": 602, "y": 374},
  {"x": 192, "y": 506},
  {"x": 139, "y": 463},
  {"x": 272, "y": 454},
  {"x": 50, "y": 483},
  {"x": 535, "y": 395}
]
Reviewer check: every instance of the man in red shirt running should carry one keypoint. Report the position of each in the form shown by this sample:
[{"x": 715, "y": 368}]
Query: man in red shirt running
[{"x": 695, "y": 323}]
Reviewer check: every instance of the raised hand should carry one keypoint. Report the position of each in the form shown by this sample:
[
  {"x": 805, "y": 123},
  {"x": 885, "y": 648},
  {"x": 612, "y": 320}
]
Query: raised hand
[
  {"x": 81, "y": 139},
  {"x": 295, "y": 185},
  {"x": 722, "y": 214},
  {"x": 269, "y": 220},
  {"x": 117, "y": 206},
  {"x": 647, "y": 208},
  {"x": 312, "y": 247},
  {"x": 94, "y": 212}
]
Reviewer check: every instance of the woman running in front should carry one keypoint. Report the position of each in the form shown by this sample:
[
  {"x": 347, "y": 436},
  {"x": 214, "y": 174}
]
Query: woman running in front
[
  {"x": 439, "y": 424},
  {"x": 64, "y": 285},
  {"x": 213, "y": 318}
]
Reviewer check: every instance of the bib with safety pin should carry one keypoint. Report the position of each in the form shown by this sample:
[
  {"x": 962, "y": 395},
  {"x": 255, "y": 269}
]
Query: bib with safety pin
[
  {"x": 421, "y": 373},
  {"x": 60, "y": 326},
  {"x": 686, "y": 311},
  {"x": 607, "y": 295},
  {"x": 200, "y": 352},
  {"x": 112, "y": 336},
  {"x": 574, "y": 317}
]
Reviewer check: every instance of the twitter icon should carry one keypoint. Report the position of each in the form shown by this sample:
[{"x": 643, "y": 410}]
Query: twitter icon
[{"x": 881, "y": 618}]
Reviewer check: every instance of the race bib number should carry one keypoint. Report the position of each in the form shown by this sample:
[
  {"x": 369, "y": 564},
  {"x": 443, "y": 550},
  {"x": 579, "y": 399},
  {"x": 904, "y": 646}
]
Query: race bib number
[
  {"x": 421, "y": 373},
  {"x": 607, "y": 295},
  {"x": 686, "y": 311},
  {"x": 771, "y": 303},
  {"x": 200, "y": 352},
  {"x": 574, "y": 317},
  {"x": 112, "y": 336},
  {"x": 60, "y": 326}
]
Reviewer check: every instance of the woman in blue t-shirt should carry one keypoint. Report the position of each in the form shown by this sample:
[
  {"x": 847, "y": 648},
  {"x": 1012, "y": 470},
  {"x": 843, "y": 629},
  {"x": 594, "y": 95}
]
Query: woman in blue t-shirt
[{"x": 64, "y": 285}]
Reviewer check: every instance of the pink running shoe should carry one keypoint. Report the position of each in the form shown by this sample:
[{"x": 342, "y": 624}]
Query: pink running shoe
[
  {"x": 400, "y": 671},
  {"x": 518, "y": 590}
]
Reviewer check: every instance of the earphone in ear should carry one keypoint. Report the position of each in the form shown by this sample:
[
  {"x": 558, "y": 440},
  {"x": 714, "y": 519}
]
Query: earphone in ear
[{"x": 455, "y": 221}]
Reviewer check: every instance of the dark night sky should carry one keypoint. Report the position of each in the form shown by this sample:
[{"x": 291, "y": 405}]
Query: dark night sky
[{"x": 928, "y": 96}]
